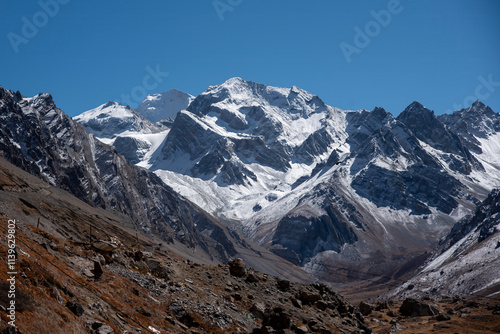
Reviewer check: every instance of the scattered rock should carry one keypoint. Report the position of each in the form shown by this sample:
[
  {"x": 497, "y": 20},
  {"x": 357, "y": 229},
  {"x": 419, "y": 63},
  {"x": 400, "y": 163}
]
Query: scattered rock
[
  {"x": 382, "y": 306},
  {"x": 365, "y": 308},
  {"x": 144, "y": 312},
  {"x": 101, "y": 259},
  {"x": 58, "y": 295},
  {"x": 237, "y": 267},
  {"x": 308, "y": 298},
  {"x": 302, "y": 329},
  {"x": 252, "y": 278},
  {"x": 277, "y": 319},
  {"x": 496, "y": 309},
  {"x": 321, "y": 305},
  {"x": 105, "y": 246},
  {"x": 443, "y": 317},
  {"x": 76, "y": 308},
  {"x": 391, "y": 314},
  {"x": 97, "y": 271},
  {"x": 297, "y": 303},
  {"x": 101, "y": 328},
  {"x": 283, "y": 284},
  {"x": 465, "y": 310},
  {"x": 258, "y": 310},
  {"x": 415, "y": 308},
  {"x": 182, "y": 315},
  {"x": 396, "y": 328},
  {"x": 138, "y": 256}
]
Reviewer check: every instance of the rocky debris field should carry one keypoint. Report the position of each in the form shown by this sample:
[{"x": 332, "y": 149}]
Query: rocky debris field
[
  {"x": 67, "y": 286},
  {"x": 76, "y": 287}
]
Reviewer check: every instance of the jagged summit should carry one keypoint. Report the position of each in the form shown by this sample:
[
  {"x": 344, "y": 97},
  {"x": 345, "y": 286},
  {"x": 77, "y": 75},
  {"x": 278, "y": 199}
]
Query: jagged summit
[
  {"x": 476, "y": 121},
  {"x": 380, "y": 113},
  {"x": 477, "y": 108},
  {"x": 416, "y": 111},
  {"x": 238, "y": 96}
]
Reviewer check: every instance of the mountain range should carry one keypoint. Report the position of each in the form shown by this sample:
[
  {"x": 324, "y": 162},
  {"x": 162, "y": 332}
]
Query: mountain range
[
  {"x": 347, "y": 195},
  {"x": 325, "y": 187},
  {"x": 41, "y": 139}
]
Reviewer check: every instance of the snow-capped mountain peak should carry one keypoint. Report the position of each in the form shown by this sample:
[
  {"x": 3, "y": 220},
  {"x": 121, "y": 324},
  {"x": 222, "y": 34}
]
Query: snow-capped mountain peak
[
  {"x": 112, "y": 119},
  {"x": 130, "y": 132},
  {"x": 165, "y": 105}
]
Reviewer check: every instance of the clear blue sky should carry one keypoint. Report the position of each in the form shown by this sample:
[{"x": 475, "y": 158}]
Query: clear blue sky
[{"x": 86, "y": 53}]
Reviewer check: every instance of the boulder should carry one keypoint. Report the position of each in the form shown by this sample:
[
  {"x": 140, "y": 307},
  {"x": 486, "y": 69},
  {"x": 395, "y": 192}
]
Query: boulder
[
  {"x": 97, "y": 271},
  {"x": 308, "y": 297},
  {"x": 365, "y": 308},
  {"x": 258, "y": 310},
  {"x": 101, "y": 328},
  {"x": 416, "y": 308},
  {"x": 76, "y": 308},
  {"x": 237, "y": 267},
  {"x": 283, "y": 284}
]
